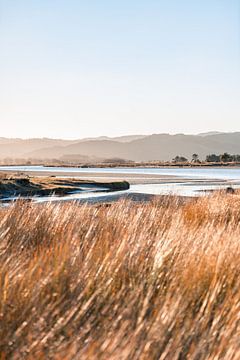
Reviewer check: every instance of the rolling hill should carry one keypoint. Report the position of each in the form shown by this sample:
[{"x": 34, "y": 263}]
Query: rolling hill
[{"x": 136, "y": 148}]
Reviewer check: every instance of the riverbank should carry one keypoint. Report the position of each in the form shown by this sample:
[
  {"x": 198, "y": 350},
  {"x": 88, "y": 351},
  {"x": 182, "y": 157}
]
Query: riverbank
[
  {"x": 144, "y": 181},
  {"x": 132, "y": 164},
  {"x": 54, "y": 189},
  {"x": 132, "y": 176},
  {"x": 94, "y": 176},
  {"x": 25, "y": 186}
]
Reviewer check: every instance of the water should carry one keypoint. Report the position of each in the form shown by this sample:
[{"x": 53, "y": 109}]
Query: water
[
  {"x": 197, "y": 172},
  {"x": 195, "y": 186}
]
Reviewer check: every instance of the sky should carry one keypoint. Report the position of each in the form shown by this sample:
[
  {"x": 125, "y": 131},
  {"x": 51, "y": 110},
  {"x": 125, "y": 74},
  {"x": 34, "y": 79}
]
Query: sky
[{"x": 77, "y": 68}]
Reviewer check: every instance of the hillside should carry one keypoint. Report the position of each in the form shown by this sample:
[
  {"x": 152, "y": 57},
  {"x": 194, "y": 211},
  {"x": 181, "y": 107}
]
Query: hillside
[
  {"x": 136, "y": 148},
  {"x": 18, "y": 148}
]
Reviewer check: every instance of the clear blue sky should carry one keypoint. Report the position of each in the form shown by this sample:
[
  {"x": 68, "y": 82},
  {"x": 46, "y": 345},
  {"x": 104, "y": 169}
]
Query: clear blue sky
[{"x": 76, "y": 68}]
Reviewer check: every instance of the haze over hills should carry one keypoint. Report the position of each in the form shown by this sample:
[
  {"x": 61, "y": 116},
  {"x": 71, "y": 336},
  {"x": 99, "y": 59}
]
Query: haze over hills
[
  {"x": 133, "y": 147},
  {"x": 126, "y": 138}
]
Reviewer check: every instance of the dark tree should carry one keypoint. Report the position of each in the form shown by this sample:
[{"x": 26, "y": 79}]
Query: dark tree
[
  {"x": 195, "y": 157},
  {"x": 213, "y": 158},
  {"x": 236, "y": 158},
  {"x": 179, "y": 159},
  {"x": 226, "y": 157}
]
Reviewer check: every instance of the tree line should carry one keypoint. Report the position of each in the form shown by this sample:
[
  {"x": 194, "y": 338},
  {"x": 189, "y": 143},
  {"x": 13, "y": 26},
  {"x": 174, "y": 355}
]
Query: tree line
[{"x": 211, "y": 158}]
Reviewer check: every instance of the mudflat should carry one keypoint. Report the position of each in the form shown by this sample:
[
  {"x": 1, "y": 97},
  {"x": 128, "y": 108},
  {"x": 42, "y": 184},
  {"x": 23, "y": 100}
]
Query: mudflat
[
  {"x": 16, "y": 185},
  {"x": 109, "y": 177},
  {"x": 103, "y": 176}
]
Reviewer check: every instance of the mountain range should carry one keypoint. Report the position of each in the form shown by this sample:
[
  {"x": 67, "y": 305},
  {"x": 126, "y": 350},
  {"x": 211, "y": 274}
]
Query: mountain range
[{"x": 133, "y": 147}]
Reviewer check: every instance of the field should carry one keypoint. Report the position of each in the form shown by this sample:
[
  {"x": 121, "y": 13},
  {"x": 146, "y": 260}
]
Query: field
[{"x": 158, "y": 280}]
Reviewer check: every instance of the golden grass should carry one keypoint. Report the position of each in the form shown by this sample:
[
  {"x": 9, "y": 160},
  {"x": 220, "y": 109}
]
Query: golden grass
[{"x": 150, "y": 281}]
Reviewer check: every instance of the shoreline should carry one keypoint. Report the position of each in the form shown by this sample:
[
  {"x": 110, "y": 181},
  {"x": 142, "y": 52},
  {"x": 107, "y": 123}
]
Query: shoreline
[
  {"x": 102, "y": 187},
  {"x": 132, "y": 178},
  {"x": 24, "y": 186},
  {"x": 146, "y": 165}
]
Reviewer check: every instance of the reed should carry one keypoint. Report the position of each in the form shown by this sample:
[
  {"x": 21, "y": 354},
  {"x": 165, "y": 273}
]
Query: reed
[{"x": 157, "y": 280}]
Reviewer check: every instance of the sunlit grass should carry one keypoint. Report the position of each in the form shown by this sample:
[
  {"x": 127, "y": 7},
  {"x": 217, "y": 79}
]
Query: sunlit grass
[{"x": 159, "y": 280}]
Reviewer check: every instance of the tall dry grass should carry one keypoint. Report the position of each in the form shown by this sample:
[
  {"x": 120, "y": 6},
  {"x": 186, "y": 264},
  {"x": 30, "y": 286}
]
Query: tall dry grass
[{"x": 149, "y": 281}]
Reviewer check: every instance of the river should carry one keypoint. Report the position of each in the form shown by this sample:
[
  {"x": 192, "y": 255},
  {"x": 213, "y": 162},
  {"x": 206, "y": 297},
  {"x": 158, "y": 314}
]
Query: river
[{"x": 195, "y": 181}]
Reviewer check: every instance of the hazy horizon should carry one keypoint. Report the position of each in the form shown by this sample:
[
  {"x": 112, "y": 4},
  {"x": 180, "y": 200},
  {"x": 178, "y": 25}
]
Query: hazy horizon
[
  {"x": 121, "y": 135},
  {"x": 72, "y": 69}
]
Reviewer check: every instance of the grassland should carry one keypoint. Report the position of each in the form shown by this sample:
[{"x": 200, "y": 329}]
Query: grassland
[{"x": 159, "y": 280}]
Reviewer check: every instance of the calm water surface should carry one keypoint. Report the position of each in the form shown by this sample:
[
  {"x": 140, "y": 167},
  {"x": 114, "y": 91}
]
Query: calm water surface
[
  {"x": 202, "y": 173},
  {"x": 185, "y": 189}
]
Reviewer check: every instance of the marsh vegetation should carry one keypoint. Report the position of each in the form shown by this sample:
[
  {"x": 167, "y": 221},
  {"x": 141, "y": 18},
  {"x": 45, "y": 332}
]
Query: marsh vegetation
[{"x": 156, "y": 280}]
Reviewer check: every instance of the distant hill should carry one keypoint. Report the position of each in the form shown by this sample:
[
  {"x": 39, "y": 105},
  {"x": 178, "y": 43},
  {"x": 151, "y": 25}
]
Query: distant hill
[
  {"x": 17, "y": 148},
  {"x": 127, "y": 138},
  {"x": 211, "y": 133},
  {"x": 136, "y": 148},
  {"x": 47, "y": 148}
]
